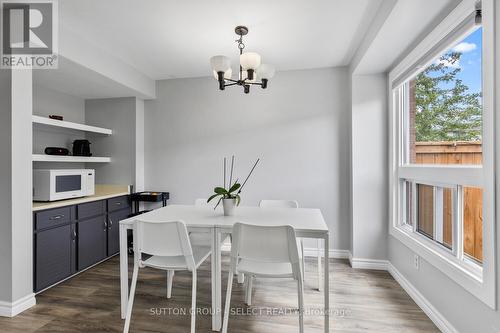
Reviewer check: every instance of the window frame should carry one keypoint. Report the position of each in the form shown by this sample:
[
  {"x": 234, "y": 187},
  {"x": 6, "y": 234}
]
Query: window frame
[{"x": 481, "y": 281}]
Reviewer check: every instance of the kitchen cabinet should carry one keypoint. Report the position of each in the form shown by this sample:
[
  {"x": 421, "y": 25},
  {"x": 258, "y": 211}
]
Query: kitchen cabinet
[
  {"x": 91, "y": 241},
  {"x": 114, "y": 230},
  {"x": 72, "y": 238},
  {"x": 53, "y": 258}
]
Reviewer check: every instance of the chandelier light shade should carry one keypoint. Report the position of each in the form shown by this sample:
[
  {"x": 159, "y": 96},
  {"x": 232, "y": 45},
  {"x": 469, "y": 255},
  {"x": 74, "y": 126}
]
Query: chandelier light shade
[
  {"x": 250, "y": 60},
  {"x": 251, "y": 69},
  {"x": 220, "y": 63}
]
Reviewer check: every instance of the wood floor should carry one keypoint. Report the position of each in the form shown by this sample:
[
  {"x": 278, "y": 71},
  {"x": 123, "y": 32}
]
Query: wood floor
[{"x": 361, "y": 301}]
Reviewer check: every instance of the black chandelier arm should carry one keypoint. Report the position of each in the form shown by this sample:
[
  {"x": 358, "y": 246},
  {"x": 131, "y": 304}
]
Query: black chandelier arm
[{"x": 231, "y": 84}]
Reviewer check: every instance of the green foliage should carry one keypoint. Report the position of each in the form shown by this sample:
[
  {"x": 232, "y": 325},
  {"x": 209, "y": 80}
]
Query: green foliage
[
  {"x": 445, "y": 109},
  {"x": 223, "y": 193}
]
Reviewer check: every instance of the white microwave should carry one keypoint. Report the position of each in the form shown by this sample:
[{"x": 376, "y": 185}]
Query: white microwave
[{"x": 51, "y": 185}]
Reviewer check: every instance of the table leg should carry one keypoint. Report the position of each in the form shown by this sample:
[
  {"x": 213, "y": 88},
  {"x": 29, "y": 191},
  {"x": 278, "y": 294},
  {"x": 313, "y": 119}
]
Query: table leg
[
  {"x": 216, "y": 280},
  {"x": 327, "y": 284},
  {"x": 123, "y": 271}
]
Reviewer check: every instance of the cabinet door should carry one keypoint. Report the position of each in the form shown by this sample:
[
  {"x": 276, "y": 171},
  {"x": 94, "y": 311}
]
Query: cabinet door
[
  {"x": 91, "y": 241},
  {"x": 113, "y": 230},
  {"x": 52, "y": 256}
]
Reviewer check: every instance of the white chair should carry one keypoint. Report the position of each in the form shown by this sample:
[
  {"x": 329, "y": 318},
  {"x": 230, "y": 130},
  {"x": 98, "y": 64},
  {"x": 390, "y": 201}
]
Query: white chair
[
  {"x": 295, "y": 204},
  {"x": 264, "y": 251},
  {"x": 170, "y": 249}
]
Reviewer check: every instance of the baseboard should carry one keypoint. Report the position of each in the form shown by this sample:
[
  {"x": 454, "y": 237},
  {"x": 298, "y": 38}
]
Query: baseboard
[
  {"x": 437, "y": 318},
  {"x": 365, "y": 263},
  {"x": 8, "y": 309}
]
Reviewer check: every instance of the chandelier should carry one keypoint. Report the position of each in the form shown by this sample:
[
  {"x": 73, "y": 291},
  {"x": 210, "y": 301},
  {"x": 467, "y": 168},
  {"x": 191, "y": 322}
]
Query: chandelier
[{"x": 251, "y": 72}]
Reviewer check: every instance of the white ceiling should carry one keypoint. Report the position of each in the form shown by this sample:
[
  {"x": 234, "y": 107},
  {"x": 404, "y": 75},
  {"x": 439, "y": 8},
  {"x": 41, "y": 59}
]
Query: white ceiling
[
  {"x": 408, "y": 22},
  {"x": 169, "y": 38}
]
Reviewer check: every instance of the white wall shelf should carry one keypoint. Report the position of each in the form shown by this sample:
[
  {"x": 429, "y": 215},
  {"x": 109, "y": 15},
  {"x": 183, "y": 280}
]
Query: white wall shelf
[
  {"x": 80, "y": 159},
  {"x": 71, "y": 125}
]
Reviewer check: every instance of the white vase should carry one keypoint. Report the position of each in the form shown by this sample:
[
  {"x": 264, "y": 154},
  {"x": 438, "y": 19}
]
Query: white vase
[{"x": 228, "y": 205}]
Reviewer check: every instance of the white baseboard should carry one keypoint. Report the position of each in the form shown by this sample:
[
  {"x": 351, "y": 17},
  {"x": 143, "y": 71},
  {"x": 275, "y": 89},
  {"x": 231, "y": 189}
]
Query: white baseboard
[
  {"x": 437, "y": 318},
  {"x": 8, "y": 309},
  {"x": 365, "y": 263}
]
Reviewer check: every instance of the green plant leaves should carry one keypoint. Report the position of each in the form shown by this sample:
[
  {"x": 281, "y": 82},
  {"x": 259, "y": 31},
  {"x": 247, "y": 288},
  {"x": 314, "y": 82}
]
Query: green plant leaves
[
  {"x": 220, "y": 190},
  {"x": 213, "y": 196},
  {"x": 234, "y": 187}
]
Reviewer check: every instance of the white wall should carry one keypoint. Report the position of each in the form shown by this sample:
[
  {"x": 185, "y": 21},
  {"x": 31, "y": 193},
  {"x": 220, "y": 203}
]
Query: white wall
[
  {"x": 298, "y": 127},
  {"x": 369, "y": 166},
  {"x": 16, "y": 230}
]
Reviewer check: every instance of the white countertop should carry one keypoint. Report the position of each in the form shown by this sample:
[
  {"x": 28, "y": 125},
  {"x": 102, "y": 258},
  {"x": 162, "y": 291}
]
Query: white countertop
[{"x": 101, "y": 192}]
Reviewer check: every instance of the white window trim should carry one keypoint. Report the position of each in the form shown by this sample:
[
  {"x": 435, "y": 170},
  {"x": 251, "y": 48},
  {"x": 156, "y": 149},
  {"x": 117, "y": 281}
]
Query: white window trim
[{"x": 482, "y": 285}]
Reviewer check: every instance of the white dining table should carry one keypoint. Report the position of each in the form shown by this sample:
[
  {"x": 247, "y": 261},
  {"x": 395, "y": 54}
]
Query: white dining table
[{"x": 307, "y": 222}]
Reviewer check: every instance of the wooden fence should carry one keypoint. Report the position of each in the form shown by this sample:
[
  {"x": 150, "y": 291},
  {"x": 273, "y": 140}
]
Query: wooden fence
[{"x": 458, "y": 153}]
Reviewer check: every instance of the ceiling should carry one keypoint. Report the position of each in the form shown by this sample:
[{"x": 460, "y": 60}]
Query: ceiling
[
  {"x": 408, "y": 22},
  {"x": 167, "y": 39}
]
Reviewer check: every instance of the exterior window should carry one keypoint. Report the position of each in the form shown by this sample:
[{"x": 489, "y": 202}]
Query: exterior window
[
  {"x": 442, "y": 152},
  {"x": 445, "y": 107}
]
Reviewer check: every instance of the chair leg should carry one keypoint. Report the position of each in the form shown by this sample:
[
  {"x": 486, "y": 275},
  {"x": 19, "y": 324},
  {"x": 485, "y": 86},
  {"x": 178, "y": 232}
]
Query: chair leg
[
  {"x": 248, "y": 299},
  {"x": 301, "y": 305},
  {"x": 170, "y": 280},
  {"x": 193, "y": 303},
  {"x": 228, "y": 301},
  {"x": 320, "y": 275},
  {"x": 131, "y": 298}
]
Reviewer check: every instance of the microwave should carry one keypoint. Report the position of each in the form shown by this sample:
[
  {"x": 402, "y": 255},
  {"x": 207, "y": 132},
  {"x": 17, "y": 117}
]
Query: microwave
[{"x": 52, "y": 185}]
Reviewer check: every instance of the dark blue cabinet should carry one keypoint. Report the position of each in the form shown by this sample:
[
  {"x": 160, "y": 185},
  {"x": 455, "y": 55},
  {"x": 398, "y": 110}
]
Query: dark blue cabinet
[{"x": 72, "y": 238}]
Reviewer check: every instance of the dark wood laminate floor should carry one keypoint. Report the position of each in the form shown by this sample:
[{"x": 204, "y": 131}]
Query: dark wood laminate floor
[{"x": 362, "y": 301}]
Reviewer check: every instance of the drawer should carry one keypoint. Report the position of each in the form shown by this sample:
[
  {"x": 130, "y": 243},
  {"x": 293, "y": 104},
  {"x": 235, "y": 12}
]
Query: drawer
[
  {"x": 52, "y": 217},
  {"x": 118, "y": 203},
  {"x": 91, "y": 209}
]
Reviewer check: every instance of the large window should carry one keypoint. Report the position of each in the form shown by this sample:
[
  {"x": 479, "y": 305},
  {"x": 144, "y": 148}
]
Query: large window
[{"x": 442, "y": 156}]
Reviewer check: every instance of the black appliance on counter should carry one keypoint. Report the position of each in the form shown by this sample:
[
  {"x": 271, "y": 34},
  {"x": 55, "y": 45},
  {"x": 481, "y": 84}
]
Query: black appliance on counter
[{"x": 81, "y": 148}]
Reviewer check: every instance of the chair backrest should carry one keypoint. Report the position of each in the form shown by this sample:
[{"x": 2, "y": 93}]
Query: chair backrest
[
  {"x": 201, "y": 202},
  {"x": 271, "y": 244},
  {"x": 165, "y": 239},
  {"x": 278, "y": 204}
]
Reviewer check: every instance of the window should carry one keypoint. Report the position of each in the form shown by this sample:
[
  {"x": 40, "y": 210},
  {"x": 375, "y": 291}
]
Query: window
[{"x": 441, "y": 123}]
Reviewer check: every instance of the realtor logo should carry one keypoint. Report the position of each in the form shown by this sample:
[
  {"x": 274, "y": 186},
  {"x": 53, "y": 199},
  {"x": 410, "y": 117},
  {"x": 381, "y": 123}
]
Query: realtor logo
[{"x": 29, "y": 34}]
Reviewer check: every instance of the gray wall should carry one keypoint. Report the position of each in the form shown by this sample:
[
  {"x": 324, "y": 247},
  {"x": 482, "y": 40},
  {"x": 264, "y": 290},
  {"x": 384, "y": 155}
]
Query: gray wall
[
  {"x": 298, "y": 126},
  {"x": 369, "y": 166},
  {"x": 119, "y": 114}
]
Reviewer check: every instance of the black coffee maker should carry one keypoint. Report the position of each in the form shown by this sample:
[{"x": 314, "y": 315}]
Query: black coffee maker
[{"x": 81, "y": 148}]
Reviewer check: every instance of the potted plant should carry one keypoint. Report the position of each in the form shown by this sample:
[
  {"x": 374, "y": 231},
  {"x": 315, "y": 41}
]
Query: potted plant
[{"x": 230, "y": 195}]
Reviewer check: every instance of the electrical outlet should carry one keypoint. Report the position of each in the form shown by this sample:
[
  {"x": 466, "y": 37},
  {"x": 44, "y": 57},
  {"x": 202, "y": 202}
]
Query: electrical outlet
[{"x": 416, "y": 262}]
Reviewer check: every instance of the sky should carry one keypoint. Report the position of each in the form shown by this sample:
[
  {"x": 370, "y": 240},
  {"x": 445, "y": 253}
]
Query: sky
[{"x": 470, "y": 62}]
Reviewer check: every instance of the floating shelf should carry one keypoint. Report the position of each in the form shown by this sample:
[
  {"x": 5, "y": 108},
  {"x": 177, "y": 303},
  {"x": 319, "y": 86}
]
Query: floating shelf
[
  {"x": 80, "y": 159},
  {"x": 71, "y": 125}
]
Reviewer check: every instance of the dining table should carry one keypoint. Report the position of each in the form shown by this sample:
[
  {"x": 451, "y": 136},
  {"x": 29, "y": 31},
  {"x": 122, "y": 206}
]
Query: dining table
[{"x": 307, "y": 222}]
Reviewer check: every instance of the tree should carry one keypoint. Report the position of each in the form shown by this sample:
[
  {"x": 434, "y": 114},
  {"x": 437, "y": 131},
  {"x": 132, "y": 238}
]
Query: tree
[{"x": 445, "y": 108}]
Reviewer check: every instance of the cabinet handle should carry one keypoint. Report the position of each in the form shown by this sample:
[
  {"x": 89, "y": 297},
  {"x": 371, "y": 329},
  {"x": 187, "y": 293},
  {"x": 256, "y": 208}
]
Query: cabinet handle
[
  {"x": 110, "y": 223},
  {"x": 56, "y": 217},
  {"x": 74, "y": 235},
  {"x": 118, "y": 203},
  {"x": 105, "y": 225}
]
